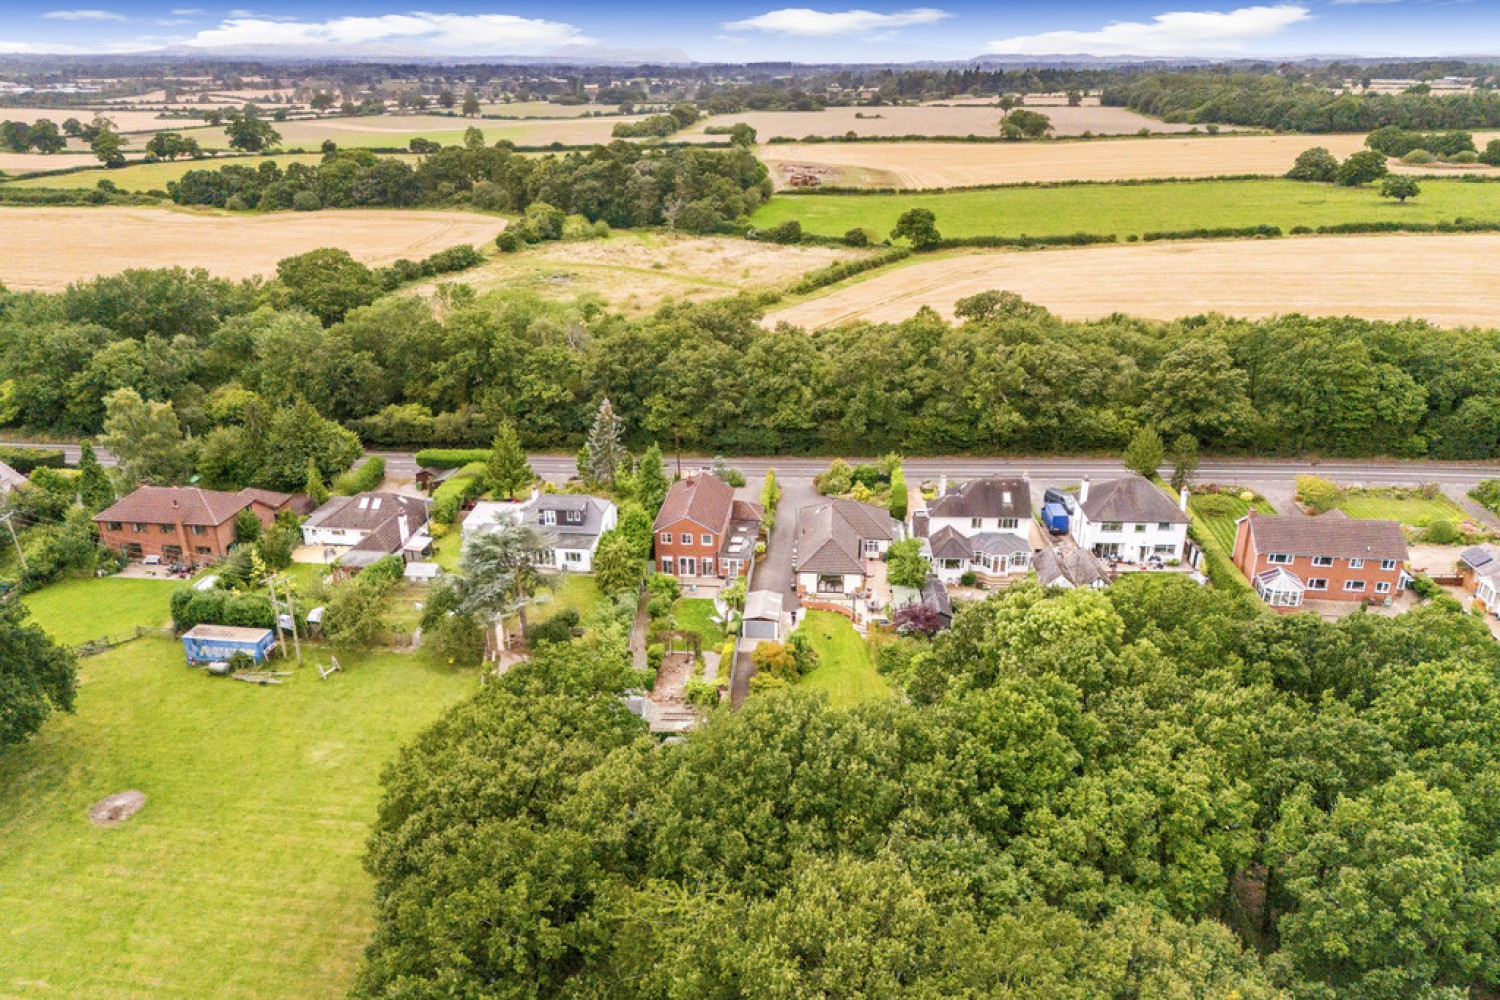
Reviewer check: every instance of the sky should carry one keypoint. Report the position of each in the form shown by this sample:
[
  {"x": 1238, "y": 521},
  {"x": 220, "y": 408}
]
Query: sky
[{"x": 745, "y": 31}]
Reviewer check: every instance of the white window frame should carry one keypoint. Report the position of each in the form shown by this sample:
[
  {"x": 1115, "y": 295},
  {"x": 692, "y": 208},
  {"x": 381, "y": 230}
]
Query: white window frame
[
  {"x": 1009, "y": 523},
  {"x": 1356, "y": 563},
  {"x": 1383, "y": 587},
  {"x": 1163, "y": 525},
  {"x": 1111, "y": 527},
  {"x": 687, "y": 566},
  {"x": 1387, "y": 564},
  {"x": 666, "y": 538},
  {"x": 1140, "y": 529},
  {"x": 1279, "y": 559},
  {"x": 707, "y": 539},
  {"x": 1354, "y": 586},
  {"x": 549, "y": 516},
  {"x": 1322, "y": 560},
  {"x": 1319, "y": 583},
  {"x": 668, "y": 565},
  {"x": 976, "y": 522},
  {"x": 572, "y": 556}
]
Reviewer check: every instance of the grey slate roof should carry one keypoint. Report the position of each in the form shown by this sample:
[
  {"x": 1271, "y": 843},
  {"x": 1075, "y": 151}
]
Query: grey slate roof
[
  {"x": 1481, "y": 559},
  {"x": 992, "y": 497},
  {"x": 580, "y": 534},
  {"x": 949, "y": 544},
  {"x": 1131, "y": 499},
  {"x": 830, "y": 535},
  {"x": 1331, "y": 534},
  {"x": 1077, "y": 566},
  {"x": 368, "y": 511}
]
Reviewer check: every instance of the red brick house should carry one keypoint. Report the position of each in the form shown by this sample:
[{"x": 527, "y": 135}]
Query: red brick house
[
  {"x": 703, "y": 532},
  {"x": 1331, "y": 557},
  {"x": 183, "y": 524}
]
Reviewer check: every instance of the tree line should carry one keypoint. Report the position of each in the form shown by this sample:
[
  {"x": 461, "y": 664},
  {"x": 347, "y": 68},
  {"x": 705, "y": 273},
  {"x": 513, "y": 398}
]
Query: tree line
[
  {"x": 623, "y": 184},
  {"x": 1268, "y": 100},
  {"x": 1153, "y": 790},
  {"x": 1006, "y": 377}
]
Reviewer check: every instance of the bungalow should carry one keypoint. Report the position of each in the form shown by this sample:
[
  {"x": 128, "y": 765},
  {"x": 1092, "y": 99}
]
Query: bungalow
[
  {"x": 1479, "y": 571},
  {"x": 983, "y": 526},
  {"x": 368, "y": 527},
  {"x": 183, "y": 524},
  {"x": 1290, "y": 557},
  {"x": 703, "y": 532},
  {"x": 1131, "y": 519},
  {"x": 836, "y": 541}
]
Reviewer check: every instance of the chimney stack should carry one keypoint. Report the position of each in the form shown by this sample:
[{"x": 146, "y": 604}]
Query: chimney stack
[
  {"x": 943, "y": 484},
  {"x": 1083, "y": 491},
  {"x": 1182, "y": 499}
]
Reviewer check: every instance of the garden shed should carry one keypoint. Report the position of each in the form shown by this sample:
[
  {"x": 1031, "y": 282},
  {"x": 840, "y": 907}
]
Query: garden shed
[
  {"x": 762, "y": 619},
  {"x": 208, "y": 643}
]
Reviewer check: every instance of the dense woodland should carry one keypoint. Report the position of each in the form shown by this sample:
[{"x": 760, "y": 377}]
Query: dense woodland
[
  {"x": 1154, "y": 790},
  {"x": 1010, "y": 378},
  {"x": 1269, "y": 100}
]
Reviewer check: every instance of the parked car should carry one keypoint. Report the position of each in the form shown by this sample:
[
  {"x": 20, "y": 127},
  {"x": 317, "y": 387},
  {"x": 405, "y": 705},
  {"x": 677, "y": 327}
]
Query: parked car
[
  {"x": 1059, "y": 497},
  {"x": 1055, "y": 518}
]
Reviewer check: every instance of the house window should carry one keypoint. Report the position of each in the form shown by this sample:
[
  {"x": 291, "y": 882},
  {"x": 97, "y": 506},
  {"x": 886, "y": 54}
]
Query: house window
[
  {"x": 199, "y": 529},
  {"x": 165, "y": 529},
  {"x": 666, "y": 565},
  {"x": 1354, "y": 585},
  {"x": 133, "y": 550},
  {"x": 976, "y": 522},
  {"x": 572, "y": 556},
  {"x": 1322, "y": 560},
  {"x": 1009, "y": 524},
  {"x": 1111, "y": 526},
  {"x": 1164, "y": 526},
  {"x": 1387, "y": 564},
  {"x": 204, "y": 550},
  {"x": 687, "y": 566},
  {"x": 666, "y": 538},
  {"x": 1318, "y": 583},
  {"x": 1279, "y": 559},
  {"x": 549, "y": 517},
  {"x": 708, "y": 567},
  {"x": 1165, "y": 550},
  {"x": 115, "y": 526},
  {"x": 139, "y": 528},
  {"x": 1356, "y": 564},
  {"x": 708, "y": 539},
  {"x": 830, "y": 584},
  {"x": 1383, "y": 587},
  {"x": 1140, "y": 529},
  {"x": 952, "y": 563}
]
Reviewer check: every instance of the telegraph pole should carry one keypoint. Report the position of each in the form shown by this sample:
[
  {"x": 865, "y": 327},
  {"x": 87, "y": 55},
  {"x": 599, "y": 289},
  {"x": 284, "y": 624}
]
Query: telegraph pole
[
  {"x": 291, "y": 611},
  {"x": 275, "y": 615}
]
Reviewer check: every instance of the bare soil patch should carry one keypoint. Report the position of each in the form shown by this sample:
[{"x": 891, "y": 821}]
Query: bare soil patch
[
  {"x": 44, "y": 249},
  {"x": 117, "y": 808},
  {"x": 1450, "y": 280},
  {"x": 634, "y": 273},
  {"x": 961, "y": 120},
  {"x": 942, "y": 164}
]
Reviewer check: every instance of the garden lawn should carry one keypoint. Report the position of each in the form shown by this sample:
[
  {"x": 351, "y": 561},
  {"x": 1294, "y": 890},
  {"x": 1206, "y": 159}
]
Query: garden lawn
[
  {"x": 1416, "y": 511},
  {"x": 844, "y": 672},
  {"x": 1222, "y": 527},
  {"x": 242, "y": 875},
  {"x": 695, "y": 614},
  {"x": 1126, "y": 209},
  {"x": 74, "y": 611},
  {"x": 576, "y": 591}
]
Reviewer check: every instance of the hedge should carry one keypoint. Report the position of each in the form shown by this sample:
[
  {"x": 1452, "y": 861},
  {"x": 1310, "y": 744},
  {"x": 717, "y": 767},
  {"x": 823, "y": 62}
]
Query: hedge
[
  {"x": 451, "y": 458},
  {"x": 363, "y": 479},
  {"x": 467, "y": 485},
  {"x": 27, "y": 460},
  {"x": 11, "y": 195},
  {"x": 220, "y": 607},
  {"x": 834, "y": 273},
  {"x": 1023, "y": 241},
  {"x": 1221, "y": 232}
]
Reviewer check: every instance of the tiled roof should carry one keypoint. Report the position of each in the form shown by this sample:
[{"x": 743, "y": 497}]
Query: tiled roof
[
  {"x": 10, "y": 477},
  {"x": 701, "y": 498},
  {"x": 992, "y": 497},
  {"x": 368, "y": 511},
  {"x": 946, "y": 543},
  {"x": 1000, "y": 543},
  {"x": 1077, "y": 566},
  {"x": 1131, "y": 499},
  {"x": 830, "y": 535},
  {"x": 164, "y": 504},
  {"x": 1327, "y": 535}
]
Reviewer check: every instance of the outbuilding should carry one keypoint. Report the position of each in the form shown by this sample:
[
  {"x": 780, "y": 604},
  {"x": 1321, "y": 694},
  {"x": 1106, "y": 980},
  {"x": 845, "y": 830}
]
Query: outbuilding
[
  {"x": 209, "y": 643},
  {"x": 762, "y": 618}
]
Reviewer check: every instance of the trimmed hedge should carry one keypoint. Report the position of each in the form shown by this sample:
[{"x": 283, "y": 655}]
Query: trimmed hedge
[
  {"x": 1064, "y": 240},
  {"x": 467, "y": 485},
  {"x": 27, "y": 460},
  {"x": 834, "y": 273},
  {"x": 220, "y": 607},
  {"x": 451, "y": 458},
  {"x": 1219, "y": 233},
  {"x": 363, "y": 479}
]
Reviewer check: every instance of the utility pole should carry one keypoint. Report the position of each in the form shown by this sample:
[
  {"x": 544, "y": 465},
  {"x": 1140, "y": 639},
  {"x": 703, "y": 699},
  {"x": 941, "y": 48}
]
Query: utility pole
[
  {"x": 13, "y": 538},
  {"x": 275, "y": 614},
  {"x": 291, "y": 611}
]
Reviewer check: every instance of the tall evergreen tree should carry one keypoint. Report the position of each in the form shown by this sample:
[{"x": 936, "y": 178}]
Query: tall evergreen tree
[
  {"x": 315, "y": 490},
  {"x": 94, "y": 488},
  {"x": 1184, "y": 460},
  {"x": 1145, "y": 453},
  {"x": 606, "y": 452},
  {"x": 651, "y": 480},
  {"x": 507, "y": 472}
]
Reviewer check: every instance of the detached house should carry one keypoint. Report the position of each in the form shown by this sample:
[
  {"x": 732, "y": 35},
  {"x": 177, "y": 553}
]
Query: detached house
[
  {"x": 1131, "y": 519},
  {"x": 703, "y": 532},
  {"x": 983, "y": 526},
  {"x": 572, "y": 524},
  {"x": 1330, "y": 557},
  {"x": 836, "y": 542},
  {"x": 183, "y": 524},
  {"x": 1479, "y": 569},
  {"x": 368, "y": 527}
]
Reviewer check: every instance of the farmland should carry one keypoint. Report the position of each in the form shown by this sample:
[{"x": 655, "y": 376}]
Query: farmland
[
  {"x": 1133, "y": 209},
  {"x": 109, "y": 240},
  {"x": 1458, "y": 284},
  {"x": 635, "y": 272},
  {"x": 151, "y": 176},
  {"x": 958, "y": 120},
  {"x": 390, "y": 131},
  {"x": 919, "y": 165}
]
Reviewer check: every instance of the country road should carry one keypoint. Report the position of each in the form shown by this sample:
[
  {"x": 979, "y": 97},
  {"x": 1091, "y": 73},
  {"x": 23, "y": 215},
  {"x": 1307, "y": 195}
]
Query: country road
[{"x": 1252, "y": 472}]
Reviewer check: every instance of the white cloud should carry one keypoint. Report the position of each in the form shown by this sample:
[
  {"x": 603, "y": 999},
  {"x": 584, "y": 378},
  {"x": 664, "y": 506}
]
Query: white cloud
[
  {"x": 1176, "y": 33},
  {"x": 84, "y": 15},
  {"x": 468, "y": 34},
  {"x": 186, "y": 11},
  {"x": 805, "y": 23}
]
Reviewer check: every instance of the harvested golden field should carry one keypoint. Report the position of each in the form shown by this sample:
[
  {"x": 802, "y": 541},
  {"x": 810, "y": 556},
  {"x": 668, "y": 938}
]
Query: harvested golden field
[
  {"x": 1451, "y": 280},
  {"x": 46, "y": 248},
  {"x": 969, "y": 119},
  {"x": 947, "y": 164},
  {"x": 24, "y": 163},
  {"x": 125, "y": 120},
  {"x": 634, "y": 273}
]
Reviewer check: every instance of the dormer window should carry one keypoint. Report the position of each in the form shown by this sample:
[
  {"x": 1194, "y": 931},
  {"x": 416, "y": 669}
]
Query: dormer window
[{"x": 549, "y": 516}]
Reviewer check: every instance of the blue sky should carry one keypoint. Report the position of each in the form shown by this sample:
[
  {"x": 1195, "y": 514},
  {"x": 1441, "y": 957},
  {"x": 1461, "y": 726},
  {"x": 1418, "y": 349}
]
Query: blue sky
[{"x": 742, "y": 31}]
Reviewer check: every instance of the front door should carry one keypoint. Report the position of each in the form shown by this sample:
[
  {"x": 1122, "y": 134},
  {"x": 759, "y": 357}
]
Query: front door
[{"x": 687, "y": 566}]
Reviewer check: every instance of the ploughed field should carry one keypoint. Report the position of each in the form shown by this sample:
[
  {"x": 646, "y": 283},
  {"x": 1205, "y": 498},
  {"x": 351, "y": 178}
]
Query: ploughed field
[
  {"x": 920, "y": 165},
  {"x": 44, "y": 249},
  {"x": 1451, "y": 280},
  {"x": 1134, "y": 209}
]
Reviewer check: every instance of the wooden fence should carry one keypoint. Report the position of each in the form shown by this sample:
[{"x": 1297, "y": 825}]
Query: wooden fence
[{"x": 103, "y": 643}]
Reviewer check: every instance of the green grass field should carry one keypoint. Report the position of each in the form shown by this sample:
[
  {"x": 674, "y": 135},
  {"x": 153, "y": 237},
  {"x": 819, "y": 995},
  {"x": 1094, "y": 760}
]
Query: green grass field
[
  {"x": 844, "y": 671},
  {"x": 1221, "y": 526},
  {"x": 1134, "y": 209},
  {"x": 575, "y": 591},
  {"x": 242, "y": 875},
  {"x": 695, "y": 614},
  {"x": 1414, "y": 511}
]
